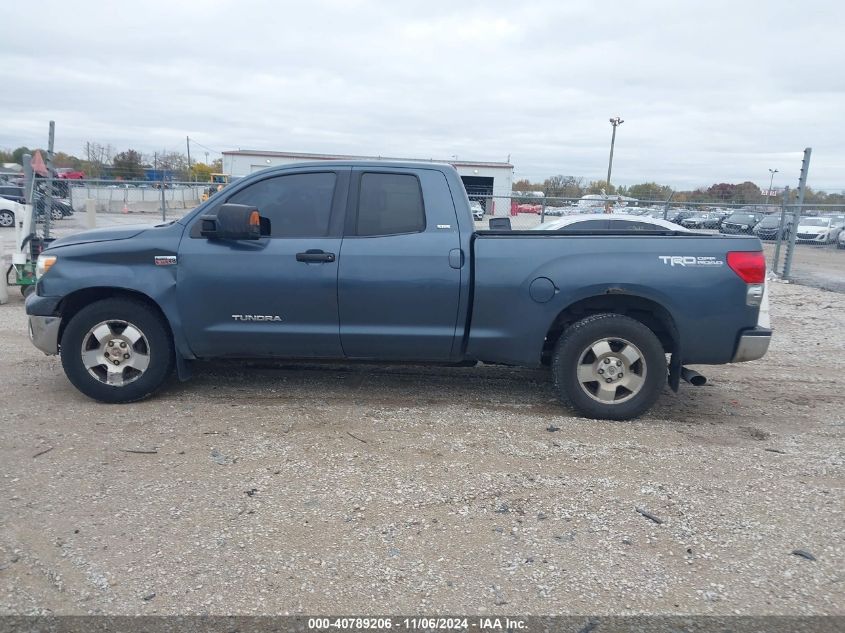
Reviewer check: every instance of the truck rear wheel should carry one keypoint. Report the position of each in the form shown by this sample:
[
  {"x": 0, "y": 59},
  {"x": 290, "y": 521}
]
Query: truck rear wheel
[
  {"x": 609, "y": 366},
  {"x": 117, "y": 350}
]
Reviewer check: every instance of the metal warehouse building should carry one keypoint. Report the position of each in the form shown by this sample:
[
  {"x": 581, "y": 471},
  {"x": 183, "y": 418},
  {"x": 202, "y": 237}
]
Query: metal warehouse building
[{"x": 489, "y": 182}]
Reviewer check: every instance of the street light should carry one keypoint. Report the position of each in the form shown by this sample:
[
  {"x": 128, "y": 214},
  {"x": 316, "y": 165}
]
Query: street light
[
  {"x": 771, "y": 180},
  {"x": 615, "y": 122}
]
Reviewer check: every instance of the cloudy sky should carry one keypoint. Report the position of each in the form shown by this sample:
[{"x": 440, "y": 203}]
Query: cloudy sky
[{"x": 709, "y": 91}]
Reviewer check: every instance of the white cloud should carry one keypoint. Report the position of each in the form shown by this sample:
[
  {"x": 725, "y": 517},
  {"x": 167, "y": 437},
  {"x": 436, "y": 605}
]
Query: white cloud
[{"x": 710, "y": 91}]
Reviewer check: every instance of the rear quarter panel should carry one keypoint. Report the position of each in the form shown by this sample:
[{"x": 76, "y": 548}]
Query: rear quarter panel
[{"x": 706, "y": 302}]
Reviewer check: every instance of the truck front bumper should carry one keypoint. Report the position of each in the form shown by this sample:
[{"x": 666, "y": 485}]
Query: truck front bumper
[
  {"x": 44, "y": 333},
  {"x": 753, "y": 344}
]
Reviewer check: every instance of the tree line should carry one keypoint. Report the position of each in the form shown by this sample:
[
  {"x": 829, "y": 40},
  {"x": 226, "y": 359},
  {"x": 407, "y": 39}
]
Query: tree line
[
  {"x": 102, "y": 161},
  {"x": 561, "y": 186}
]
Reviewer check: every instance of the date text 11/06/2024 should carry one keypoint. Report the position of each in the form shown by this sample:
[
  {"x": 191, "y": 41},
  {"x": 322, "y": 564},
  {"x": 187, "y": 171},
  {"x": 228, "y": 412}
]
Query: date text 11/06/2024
[{"x": 416, "y": 624}]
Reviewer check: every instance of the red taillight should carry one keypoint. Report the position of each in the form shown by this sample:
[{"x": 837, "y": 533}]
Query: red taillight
[{"x": 750, "y": 266}]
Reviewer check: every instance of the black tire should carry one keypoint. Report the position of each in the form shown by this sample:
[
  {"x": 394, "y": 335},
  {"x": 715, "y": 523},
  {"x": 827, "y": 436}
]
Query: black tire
[
  {"x": 577, "y": 340},
  {"x": 27, "y": 290},
  {"x": 157, "y": 341},
  {"x": 56, "y": 215},
  {"x": 7, "y": 219}
]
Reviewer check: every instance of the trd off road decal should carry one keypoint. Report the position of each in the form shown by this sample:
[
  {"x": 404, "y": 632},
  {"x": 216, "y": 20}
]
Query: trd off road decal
[{"x": 688, "y": 261}]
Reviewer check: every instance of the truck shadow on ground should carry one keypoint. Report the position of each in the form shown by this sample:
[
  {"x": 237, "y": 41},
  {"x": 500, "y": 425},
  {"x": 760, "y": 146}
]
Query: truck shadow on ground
[{"x": 486, "y": 388}]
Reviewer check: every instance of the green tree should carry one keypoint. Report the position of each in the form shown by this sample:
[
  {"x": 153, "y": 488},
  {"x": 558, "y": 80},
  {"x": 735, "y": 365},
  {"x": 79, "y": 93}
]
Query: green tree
[
  {"x": 647, "y": 191},
  {"x": 17, "y": 154},
  {"x": 747, "y": 193},
  {"x": 200, "y": 172},
  {"x": 600, "y": 186},
  {"x": 61, "y": 159},
  {"x": 128, "y": 165},
  {"x": 561, "y": 186},
  {"x": 526, "y": 185}
]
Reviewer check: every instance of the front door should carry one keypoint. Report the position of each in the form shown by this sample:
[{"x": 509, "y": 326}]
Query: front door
[{"x": 276, "y": 296}]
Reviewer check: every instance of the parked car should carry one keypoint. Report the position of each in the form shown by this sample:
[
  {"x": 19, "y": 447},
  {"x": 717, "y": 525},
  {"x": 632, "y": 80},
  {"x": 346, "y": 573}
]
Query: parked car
[
  {"x": 703, "y": 221},
  {"x": 818, "y": 230},
  {"x": 838, "y": 220},
  {"x": 608, "y": 222},
  {"x": 767, "y": 228},
  {"x": 13, "y": 193},
  {"x": 740, "y": 222},
  {"x": 7, "y": 213},
  {"x": 840, "y": 241},
  {"x": 679, "y": 215},
  {"x": 67, "y": 173},
  {"x": 275, "y": 266},
  {"x": 477, "y": 210}
]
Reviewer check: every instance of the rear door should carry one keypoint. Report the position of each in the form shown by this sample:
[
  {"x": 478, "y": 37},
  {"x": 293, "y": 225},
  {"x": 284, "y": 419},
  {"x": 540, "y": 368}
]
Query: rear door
[{"x": 400, "y": 266}]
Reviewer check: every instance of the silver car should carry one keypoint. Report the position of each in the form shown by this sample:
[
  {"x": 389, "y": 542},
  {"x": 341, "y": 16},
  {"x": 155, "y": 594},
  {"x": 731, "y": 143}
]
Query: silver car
[
  {"x": 818, "y": 230},
  {"x": 477, "y": 210}
]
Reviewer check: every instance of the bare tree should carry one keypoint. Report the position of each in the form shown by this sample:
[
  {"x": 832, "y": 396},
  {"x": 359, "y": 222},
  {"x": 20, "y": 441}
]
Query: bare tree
[{"x": 97, "y": 157}]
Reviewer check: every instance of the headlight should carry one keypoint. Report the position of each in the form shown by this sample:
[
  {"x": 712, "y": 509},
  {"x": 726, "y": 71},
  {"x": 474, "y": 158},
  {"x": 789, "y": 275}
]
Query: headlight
[{"x": 44, "y": 263}]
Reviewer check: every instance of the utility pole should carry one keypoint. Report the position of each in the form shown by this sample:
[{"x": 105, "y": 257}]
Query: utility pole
[
  {"x": 188, "y": 141},
  {"x": 48, "y": 198},
  {"x": 771, "y": 181},
  {"x": 615, "y": 122}
]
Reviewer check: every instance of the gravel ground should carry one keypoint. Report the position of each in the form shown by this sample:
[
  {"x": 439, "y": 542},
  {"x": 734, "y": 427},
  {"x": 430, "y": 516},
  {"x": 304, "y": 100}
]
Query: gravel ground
[{"x": 264, "y": 489}]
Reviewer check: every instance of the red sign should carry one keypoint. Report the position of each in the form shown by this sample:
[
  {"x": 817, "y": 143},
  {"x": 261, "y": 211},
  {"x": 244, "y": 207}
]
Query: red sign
[{"x": 38, "y": 165}]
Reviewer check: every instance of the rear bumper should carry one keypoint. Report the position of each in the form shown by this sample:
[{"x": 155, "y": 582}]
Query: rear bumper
[
  {"x": 753, "y": 344},
  {"x": 44, "y": 333}
]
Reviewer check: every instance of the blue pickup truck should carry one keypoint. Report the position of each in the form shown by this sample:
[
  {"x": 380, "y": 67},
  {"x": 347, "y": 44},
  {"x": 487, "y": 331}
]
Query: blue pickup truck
[{"x": 381, "y": 261}]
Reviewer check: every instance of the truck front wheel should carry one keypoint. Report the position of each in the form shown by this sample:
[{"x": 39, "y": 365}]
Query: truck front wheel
[
  {"x": 609, "y": 366},
  {"x": 117, "y": 350}
]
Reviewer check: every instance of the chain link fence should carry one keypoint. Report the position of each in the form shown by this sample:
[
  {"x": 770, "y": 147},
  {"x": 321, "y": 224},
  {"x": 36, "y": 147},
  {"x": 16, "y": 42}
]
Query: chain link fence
[
  {"x": 803, "y": 243},
  {"x": 135, "y": 196},
  {"x": 809, "y": 247}
]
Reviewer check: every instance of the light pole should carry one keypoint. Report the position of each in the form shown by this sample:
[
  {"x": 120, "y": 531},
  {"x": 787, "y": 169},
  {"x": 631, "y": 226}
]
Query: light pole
[
  {"x": 615, "y": 122},
  {"x": 771, "y": 180}
]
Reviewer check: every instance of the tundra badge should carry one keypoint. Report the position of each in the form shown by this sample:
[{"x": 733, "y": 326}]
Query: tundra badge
[{"x": 256, "y": 317}]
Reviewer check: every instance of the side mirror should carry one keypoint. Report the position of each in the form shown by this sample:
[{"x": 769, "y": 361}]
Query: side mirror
[{"x": 234, "y": 222}]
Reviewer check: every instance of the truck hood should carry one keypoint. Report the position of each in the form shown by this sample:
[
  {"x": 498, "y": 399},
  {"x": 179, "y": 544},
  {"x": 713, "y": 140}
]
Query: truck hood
[{"x": 105, "y": 234}]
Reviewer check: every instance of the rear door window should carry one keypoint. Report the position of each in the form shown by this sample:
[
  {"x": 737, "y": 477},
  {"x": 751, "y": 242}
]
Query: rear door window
[{"x": 389, "y": 204}]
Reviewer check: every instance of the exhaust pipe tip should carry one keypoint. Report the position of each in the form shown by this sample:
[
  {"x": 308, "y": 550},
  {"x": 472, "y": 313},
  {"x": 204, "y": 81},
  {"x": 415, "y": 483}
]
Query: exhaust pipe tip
[{"x": 693, "y": 377}]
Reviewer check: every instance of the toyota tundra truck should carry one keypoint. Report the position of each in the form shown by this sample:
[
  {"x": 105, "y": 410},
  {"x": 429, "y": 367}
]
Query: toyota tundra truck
[{"x": 380, "y": 261}]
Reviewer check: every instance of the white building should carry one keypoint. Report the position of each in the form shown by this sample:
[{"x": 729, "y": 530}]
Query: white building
[{"x": 488, "y": 182}]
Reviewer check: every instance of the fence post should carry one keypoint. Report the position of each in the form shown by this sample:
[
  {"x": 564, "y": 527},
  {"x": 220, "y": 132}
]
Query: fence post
[
  {"x": 543, "y": 212},
  {"x": 796, "y": 214},
  {"x": 776, "y": 257},
  {"x": 4, "y": 291},
  {"x": 91, "y": 212}
]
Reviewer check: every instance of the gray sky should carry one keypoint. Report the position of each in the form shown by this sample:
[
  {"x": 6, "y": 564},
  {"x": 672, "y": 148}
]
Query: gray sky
[{"x": 710, "y": 91}]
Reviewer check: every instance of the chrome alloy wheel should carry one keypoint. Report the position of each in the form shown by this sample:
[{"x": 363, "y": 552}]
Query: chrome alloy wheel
[
  {"x": 611, "y": 370},
  {"x": 115, "y": 352}
]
